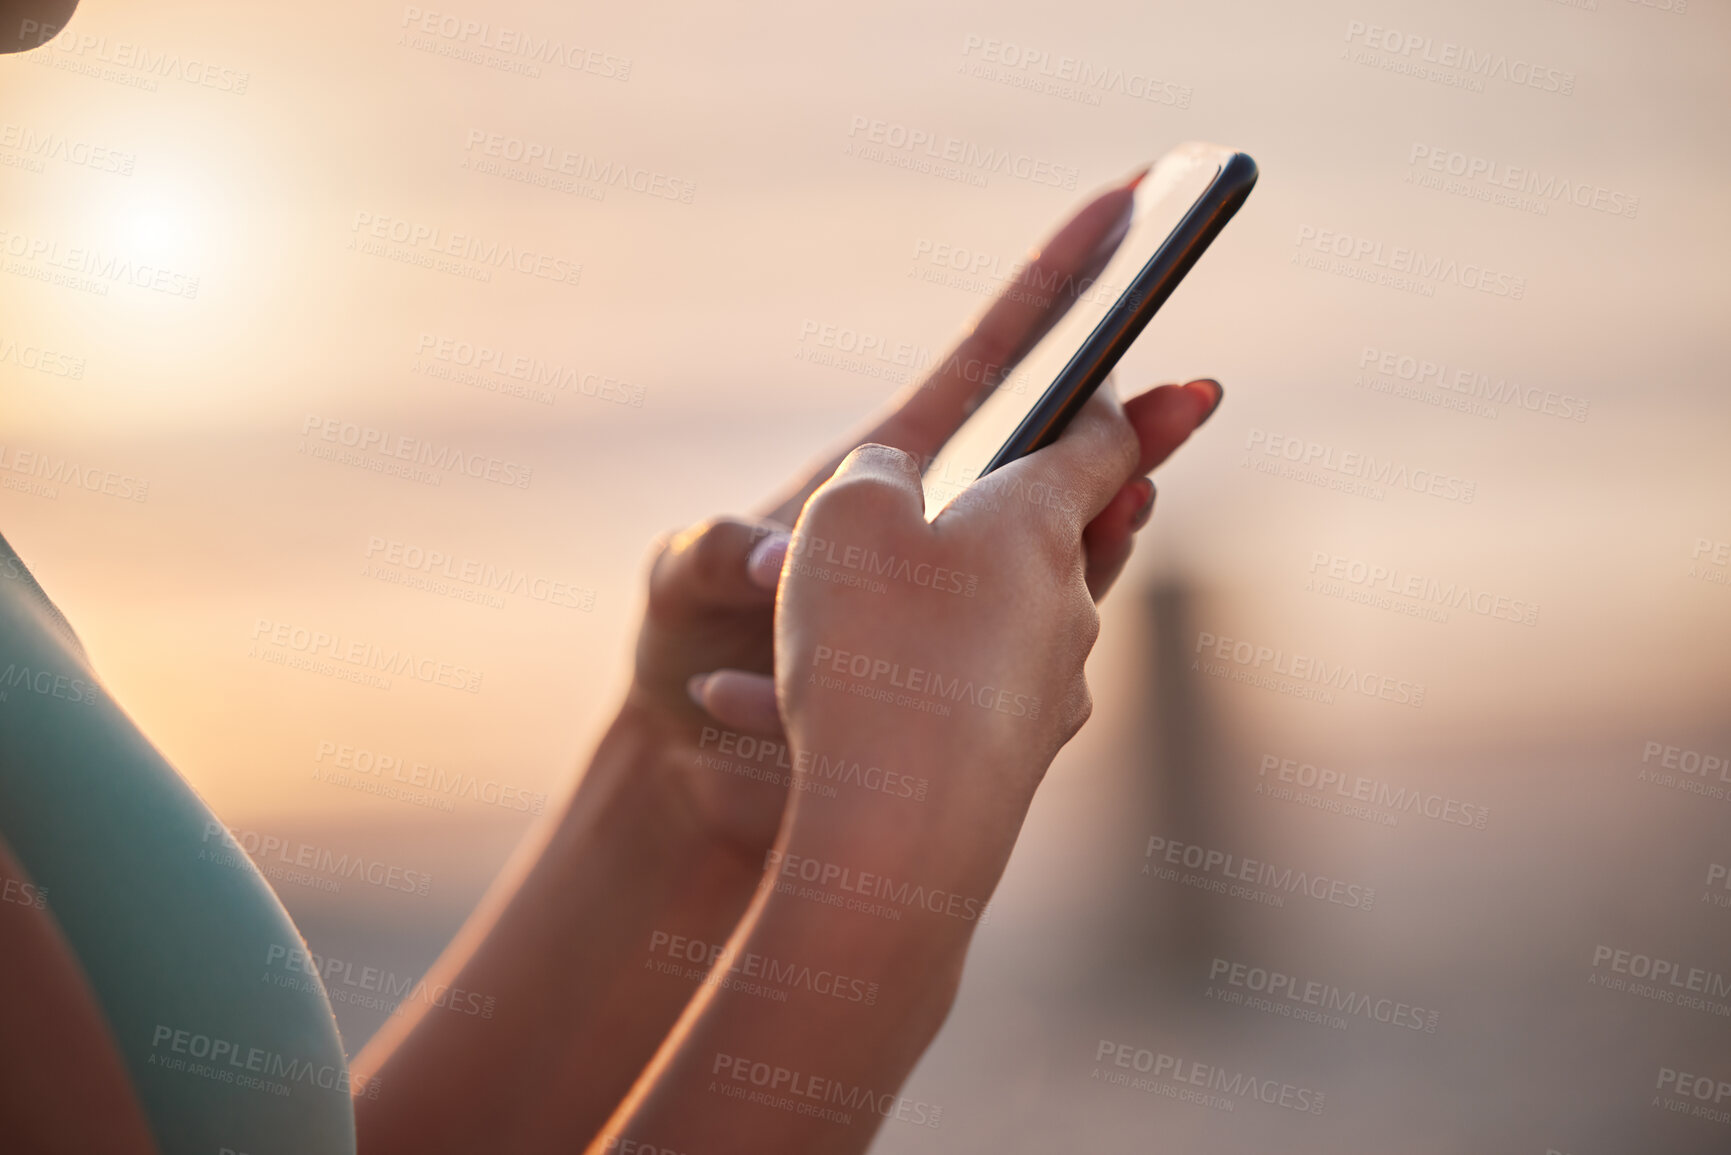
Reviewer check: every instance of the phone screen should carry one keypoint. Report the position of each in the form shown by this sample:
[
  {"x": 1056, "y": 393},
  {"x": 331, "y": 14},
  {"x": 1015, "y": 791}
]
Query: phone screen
[{"x": 1176, "y": 183}]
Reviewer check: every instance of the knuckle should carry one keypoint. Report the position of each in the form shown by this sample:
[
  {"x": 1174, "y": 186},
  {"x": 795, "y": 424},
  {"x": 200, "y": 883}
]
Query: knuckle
[
  {"x": 1081, "y": 708},
  {"x": 887, "y": 458},
  {"x": 662, "y": 571},
  {"x": 861, "y": 496},
  {"x": 1126, "y": 446},
  {"x": 713, "y": 547},
  {"x": 685, "y": 564},
  {"x": 1117, "y": 447},
  {"x": 1088, "y": 626},
  {"x": 659, "y": 549},
  {"x": 1120, "y": 449}
]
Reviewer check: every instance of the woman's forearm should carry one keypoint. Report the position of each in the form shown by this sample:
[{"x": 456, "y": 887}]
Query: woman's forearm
[
  {"x": 866, "y": 978},
  {"x": 573, "y": 960}
]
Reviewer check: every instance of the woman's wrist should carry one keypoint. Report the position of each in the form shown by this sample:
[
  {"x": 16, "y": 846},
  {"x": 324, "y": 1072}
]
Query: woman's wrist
[
  {"x": 883, "y": 987},
  {"x": 900, "y": 858},
  {"x": 813, "y": 1020},
  {"x": 899, "y": 930},
  {"x": 908, "y": 961},
  {"x": 579, "y": 959}
]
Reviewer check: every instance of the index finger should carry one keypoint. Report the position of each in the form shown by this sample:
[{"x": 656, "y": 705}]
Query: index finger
[{"x": 922, "y": 417}]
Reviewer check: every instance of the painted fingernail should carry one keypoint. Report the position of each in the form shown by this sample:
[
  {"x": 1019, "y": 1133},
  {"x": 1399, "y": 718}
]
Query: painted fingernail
[
  {"x": 763, "y": 567},
  {"x": 1110, "y": 242},
  {"x": 1219, "y": 396},
  {"x": 694, "y": 687},
  {"x": 1142, "y": 515},
  {"x": 1139, "y": 176}
]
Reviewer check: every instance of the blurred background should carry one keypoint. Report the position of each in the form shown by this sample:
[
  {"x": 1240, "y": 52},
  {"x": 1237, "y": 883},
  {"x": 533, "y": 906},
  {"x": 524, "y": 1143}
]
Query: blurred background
[{"x": 641, "y": 280}]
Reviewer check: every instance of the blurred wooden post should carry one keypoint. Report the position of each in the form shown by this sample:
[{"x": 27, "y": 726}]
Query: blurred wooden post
[{"x": 1171, "y": 930}]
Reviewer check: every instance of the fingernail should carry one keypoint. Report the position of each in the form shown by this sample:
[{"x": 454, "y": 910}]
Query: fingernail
[
  {"x": 694, "y": 687},
  {"x": 763, "y": 567},
  {"x": 1139, "y": 176},
  {"x": 1120, "y": 227},
  {"x": 1110, "y": 242},
  {"x": 1219, "y": 396},
  {"x": 1147, "y": 510}
]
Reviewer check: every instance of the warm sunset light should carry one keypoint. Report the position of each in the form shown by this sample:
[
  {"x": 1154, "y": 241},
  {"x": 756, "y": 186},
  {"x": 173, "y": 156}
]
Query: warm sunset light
[{"x": 355, "y": 362}]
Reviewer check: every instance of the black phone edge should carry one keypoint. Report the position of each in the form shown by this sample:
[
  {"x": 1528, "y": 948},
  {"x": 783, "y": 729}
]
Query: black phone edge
[{"x": 1130, "y": 314}]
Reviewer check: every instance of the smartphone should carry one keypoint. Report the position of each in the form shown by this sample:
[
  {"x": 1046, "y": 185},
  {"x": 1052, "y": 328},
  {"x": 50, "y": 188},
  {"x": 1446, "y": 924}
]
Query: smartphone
[{"x": 1181, "y": 205}]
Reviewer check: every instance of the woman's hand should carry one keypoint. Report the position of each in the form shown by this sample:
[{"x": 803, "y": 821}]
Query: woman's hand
[
  {"x": 1159, "y": 420},
  {"x": 665, "y": 840},
  {"x": 704, "y": 652},
  {"x": 920, "y": 720},
  {"x": 971, "y": 679}
]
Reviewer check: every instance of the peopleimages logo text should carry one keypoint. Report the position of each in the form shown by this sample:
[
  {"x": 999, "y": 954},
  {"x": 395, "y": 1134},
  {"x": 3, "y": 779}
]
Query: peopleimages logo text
[
  {"x": 39, "y": 145},
  {"x": 437, "y": 241},
  {"x": 1210, "y": 1077},
  {"x": 1310, "y": 668},
  {"x": 365, "y": 655},
  {"x": 102, "y": 266},
  {"x": 913, "y": 140},
  {"x": 366, "y": 439},
  {"x": 1324, "y": 459},
  {"x": 1074, "y": 76},
  {"x": 1543, "y": 187},
  {"x": 580, "y": 166},
  {"x": 917, "y": 681},
  {"x": 1325, "y": 996},
  {"x": 1374, "y": 791},
  {"x": 1427, "y": 269},
  {"x": 516, "y": 42},
  {"x": 1256, "y": 872},
  {"x": 828, "y": 875},
  {"x": 1482, "y": 64}
]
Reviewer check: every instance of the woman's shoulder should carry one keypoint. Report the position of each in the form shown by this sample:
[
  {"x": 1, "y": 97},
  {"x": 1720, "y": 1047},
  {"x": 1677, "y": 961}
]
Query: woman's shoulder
[{"x": 178, "y": 935}]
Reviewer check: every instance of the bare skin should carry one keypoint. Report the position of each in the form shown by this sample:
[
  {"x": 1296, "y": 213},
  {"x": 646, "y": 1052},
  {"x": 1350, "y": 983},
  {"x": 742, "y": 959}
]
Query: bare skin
[
  {"x": 654, "y": 842},
  {"x": 587, "y": 1041},
  {"x": 1020, "y": 644},
  {"x": 63, "y": 1086}
]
